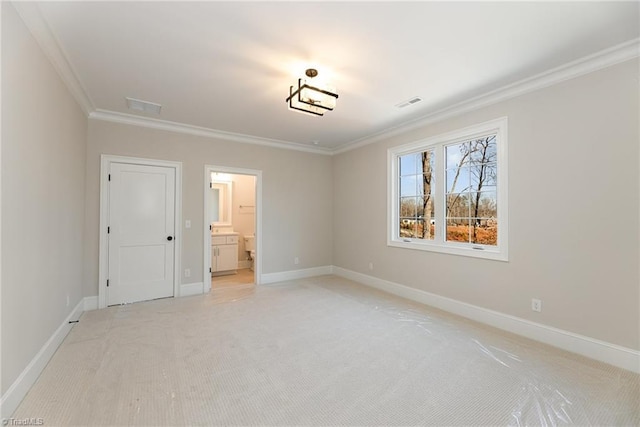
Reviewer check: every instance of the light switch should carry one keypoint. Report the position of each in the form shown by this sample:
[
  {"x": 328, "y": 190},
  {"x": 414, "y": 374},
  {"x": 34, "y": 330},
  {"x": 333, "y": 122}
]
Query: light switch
[{"x": 187, "y": 224}]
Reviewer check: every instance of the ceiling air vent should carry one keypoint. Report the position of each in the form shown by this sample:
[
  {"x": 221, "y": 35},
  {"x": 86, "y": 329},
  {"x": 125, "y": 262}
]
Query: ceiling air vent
[
  {"x": 143, "y": 106},
  {"x": 408, "y": 102}
]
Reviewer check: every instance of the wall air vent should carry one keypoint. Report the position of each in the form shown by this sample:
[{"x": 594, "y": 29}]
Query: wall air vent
[
  {"x": 408, "y": 102},
  {"x": 143, "y": 106}
]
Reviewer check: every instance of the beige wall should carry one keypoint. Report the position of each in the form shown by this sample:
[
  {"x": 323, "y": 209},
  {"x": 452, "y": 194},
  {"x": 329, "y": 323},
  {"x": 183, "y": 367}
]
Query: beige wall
[
  {"x": 43, "y": 166},
  {"x": 573, "y": 209},
  {"x": 297, "y": 194},
  {"x": 574, "y": 190}
]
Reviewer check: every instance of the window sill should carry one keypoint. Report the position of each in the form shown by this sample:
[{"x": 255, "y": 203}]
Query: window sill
[{"x": 484, "y": 253}]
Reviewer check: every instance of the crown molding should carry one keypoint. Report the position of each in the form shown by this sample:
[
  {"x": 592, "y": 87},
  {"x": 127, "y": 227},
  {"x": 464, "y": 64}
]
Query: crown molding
[
  {"x": 37, "y": 25},
  {"x": 129, "y": 119},
  {"x": 588, "y": 64},
  {"x": 32, "y": 17}
]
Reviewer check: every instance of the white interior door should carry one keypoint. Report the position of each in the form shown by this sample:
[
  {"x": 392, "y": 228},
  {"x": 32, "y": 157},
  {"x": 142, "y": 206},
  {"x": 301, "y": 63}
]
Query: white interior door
[{"x": 141, "y": 233}]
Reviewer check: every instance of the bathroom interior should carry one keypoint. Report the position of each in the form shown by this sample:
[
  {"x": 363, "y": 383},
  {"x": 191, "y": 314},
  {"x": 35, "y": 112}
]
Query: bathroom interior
[{"x": 233, "y": 226}]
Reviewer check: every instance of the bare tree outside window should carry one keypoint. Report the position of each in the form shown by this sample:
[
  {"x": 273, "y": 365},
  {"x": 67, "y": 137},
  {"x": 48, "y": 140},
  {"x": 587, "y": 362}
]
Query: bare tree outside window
[
  {"x": 472, "y": 192},
  {"x": 427, "y": 200},
  {"x": 416, "y": 198}
]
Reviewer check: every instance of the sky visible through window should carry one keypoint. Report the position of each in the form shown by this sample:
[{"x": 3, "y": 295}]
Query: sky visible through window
[{"x": 470, "y": 190}]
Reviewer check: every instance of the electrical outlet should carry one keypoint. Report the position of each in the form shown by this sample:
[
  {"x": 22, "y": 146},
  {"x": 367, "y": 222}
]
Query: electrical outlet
[
  {"x": 187, "y": 272},
  {"x": 536, "y": 305},
  {"x": 370, "y": 266},
  {"x": 296, "y": 260}
]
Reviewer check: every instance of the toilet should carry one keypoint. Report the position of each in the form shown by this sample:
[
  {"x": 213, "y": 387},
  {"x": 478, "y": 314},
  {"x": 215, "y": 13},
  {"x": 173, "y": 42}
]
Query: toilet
[{"x": 250, "y": 247}]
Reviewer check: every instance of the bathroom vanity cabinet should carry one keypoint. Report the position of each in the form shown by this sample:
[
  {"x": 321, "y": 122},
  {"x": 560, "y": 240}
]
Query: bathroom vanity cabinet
[{"x": 224, "y": 254}]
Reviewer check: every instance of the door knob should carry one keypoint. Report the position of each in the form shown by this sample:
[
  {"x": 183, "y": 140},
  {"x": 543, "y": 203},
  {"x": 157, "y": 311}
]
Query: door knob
[{"x": 170, "y": 238}]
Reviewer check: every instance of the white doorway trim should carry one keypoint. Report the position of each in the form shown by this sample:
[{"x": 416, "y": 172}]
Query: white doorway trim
[
  {"x": 208, "y": 169},
  {"x": 103, "y": 263}
]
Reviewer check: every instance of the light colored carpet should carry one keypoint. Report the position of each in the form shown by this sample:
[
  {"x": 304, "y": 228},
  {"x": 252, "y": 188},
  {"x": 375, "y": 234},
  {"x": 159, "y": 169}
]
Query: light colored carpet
[{"x": 320, "y": 351}]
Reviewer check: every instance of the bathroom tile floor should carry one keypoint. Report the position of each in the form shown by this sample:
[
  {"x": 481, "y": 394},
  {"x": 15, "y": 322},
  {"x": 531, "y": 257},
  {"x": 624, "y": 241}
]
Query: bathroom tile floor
[{"x": 243, "y": 277}]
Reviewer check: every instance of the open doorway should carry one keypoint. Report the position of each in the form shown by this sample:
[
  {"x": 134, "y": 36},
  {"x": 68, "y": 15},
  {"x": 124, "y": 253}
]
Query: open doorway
[{"x": 232, "y": 231}]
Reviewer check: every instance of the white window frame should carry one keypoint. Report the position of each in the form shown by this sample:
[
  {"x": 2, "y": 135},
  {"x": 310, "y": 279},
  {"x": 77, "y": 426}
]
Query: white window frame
[{"x": 438, "y": 143}]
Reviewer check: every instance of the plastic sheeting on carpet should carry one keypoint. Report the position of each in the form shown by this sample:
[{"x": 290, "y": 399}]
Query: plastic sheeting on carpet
[{"x": 320, "y": 351}]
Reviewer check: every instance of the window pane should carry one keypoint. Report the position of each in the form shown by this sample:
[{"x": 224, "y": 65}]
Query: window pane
[
  {"x": 427, "y": 187},
  {"x": 482, "y": 176},
  {"x": 457, "y": 155},
  {"x": 417, "y": 230},
  {"x": 485, "y": 231},
  {"x": 416, "y": 195},
  {"x": 407, "y": 227},
  {"x": 419, "y": 207},
  {"x": 408, "y": 186},
  {"x": 458, "y": 205},
  {"x": 419, "y": 185},
  {"x": 458, "y": 230},
  {"x": 457, "y": 180},
  {"x": 429, "y": 229},
  {"x": 409, "y": 164},
  {"x": 484, "y": 204},
  {"x": 484, "y": 150},
  {"x": 425, "y": 183},
  {"x": 427, "y": 162},
  {"x": 420, "y": 228},
  {"x": 408, "y": 207},
  {"x": 429, "y": 210}
]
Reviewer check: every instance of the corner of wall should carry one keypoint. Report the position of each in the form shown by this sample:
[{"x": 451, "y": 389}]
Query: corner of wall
[{"x": 18, "y": 390}]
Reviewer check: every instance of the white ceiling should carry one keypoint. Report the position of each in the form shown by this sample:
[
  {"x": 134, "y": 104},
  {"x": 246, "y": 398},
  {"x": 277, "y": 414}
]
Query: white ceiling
[{"x": 227, "y": 66}]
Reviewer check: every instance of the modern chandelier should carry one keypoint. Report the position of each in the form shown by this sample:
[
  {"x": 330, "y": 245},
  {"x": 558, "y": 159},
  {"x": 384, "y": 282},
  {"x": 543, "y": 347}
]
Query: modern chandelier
[{"x": 310, "y": 98}]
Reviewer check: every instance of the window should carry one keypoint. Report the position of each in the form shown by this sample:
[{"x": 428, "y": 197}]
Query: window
[
  {"x": 416, "y": 197},
  {"x": 449, "y": 193}
]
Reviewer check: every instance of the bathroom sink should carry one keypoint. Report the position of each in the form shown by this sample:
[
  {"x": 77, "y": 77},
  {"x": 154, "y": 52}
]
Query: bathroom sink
[{"x": 224, "y": 233}]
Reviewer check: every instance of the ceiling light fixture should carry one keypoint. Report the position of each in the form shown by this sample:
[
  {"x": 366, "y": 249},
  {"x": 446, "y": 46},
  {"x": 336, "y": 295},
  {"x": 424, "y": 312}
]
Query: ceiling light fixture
[{"x": 309, "y": 98}]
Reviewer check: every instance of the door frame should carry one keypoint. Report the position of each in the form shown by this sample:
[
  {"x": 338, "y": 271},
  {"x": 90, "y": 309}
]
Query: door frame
[
  {"x": 103, "y": 265},
  {"x": 257, "y": 266}
]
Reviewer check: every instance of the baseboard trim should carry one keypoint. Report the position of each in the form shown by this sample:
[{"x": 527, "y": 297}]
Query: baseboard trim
[
  {"x": 603, "y": 351},
  {"x": 21, "y": 386},
  {"x": 90, "y": 303},
  {"x": 296, "y": 274},
  {"x": 188, "y": 289}
]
